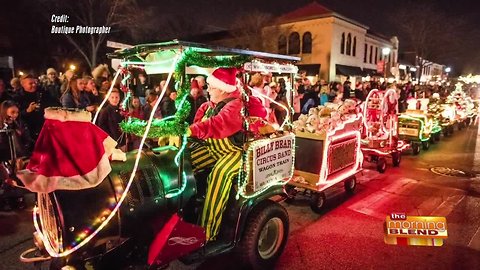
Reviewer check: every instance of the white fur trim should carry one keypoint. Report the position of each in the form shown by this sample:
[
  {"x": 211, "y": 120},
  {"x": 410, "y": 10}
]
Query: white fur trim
[
  {"x": 66, "y": 115},
  {"x": 216, "y": 83},
  {"x": 40, "y": 183}
]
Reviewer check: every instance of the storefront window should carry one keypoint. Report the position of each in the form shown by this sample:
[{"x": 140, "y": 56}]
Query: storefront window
[
  {"x": 294, "y": 43},
  {"x": 307, "y": 43}
]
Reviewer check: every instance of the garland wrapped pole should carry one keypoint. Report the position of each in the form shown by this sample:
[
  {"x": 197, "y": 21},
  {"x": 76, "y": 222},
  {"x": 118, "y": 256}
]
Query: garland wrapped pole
[{"x": 176, "y": 126}]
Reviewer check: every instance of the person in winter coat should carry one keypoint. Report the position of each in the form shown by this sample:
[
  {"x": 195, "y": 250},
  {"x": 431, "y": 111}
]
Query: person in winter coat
[
  {"x": 75, "y": 96},
  {"x": 109, "y": 119},
  {"x": 219, "y": 122}
]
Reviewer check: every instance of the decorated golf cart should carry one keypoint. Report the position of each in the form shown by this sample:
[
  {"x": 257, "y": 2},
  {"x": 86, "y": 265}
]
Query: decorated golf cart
[
  {"x": 417, "y": 126},
  {"x": 145, "y": 210},
  {"x": 443, "y": 113},
  {"x": 328, "y": 140},
  {"x": 464, "y": 106},
  {"x": 380, "y": 138}
]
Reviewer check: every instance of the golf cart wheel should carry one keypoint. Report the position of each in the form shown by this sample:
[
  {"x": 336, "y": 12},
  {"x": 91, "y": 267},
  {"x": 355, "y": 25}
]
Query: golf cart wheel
[
  {"x": 426, "y": 145},
  {"x": 432, "y": 139},
  {"x": 451, "y": 129},
  {"x": 264, "y": 237},
  {"x": 416, "y": 148},
  {"x": 437, "y": 136},
  {"x": 446, "y": 131},
  {"x": 290, "y": 193},
  {"x": 467, "y": 122},
  {"x": 460, "y": 125},
  {"x": 381, "y": 165},
  {"x": 396, "y": 158},
  {"x": 317, "y": 202},
  {"x": 350, "y": 185}
]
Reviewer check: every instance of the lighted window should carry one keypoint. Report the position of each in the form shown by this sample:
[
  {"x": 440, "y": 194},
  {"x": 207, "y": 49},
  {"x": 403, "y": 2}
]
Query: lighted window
[
  {"x": 371, "y": 54},
  {"x": 342, "y": 44},
  {"x": 282, "y": 44},
  {"x": 354, "y": 49},
  {"x": 307, "y": 43},
  {"x": 365, "y": 53},
  {"x": 294, "y": 43}
]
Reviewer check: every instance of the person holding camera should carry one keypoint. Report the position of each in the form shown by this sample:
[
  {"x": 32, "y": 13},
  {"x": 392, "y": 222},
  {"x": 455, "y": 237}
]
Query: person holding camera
[{"x": 32, "y": 100}]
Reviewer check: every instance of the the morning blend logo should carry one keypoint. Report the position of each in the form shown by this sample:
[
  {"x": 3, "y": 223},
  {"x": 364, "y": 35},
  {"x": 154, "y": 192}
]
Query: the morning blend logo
[{"x": 401, "y": 229}]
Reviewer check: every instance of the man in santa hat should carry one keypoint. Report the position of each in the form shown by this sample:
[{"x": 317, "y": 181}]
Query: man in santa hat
[{"x": 220, "y": 123}]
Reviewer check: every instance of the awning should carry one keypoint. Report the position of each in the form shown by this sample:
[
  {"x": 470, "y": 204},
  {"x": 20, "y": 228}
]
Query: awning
[
  {"x": 312, "y": 69},
  {"x": 349, "y": 70}
]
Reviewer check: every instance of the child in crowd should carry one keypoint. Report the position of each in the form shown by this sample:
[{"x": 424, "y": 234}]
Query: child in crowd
[
  {"x": 22, "y": 144},
  {"x": 110, "y": 117}
]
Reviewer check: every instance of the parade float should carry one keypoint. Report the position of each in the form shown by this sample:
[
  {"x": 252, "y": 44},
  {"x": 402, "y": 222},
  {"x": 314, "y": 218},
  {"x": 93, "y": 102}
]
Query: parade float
[
  {"x": 328, "y": 139},
  {"x": 380, "y": 137},
  {"x": 142, "y": 208},
  {"x": 443, "y": 113},
  {"x": 465, "y": 109},
  {"x": 417, "y": 126}
]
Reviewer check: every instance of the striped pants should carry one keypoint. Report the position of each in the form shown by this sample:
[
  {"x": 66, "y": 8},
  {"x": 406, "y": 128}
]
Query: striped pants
[{"x": 225, "y": 158}]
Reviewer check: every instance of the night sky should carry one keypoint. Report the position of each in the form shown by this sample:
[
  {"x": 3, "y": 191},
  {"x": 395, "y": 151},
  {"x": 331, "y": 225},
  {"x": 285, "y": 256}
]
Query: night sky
[{"x": 17, "y": 23}]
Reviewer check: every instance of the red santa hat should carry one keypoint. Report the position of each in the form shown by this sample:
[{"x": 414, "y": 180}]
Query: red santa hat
[{"x": 224, "y": 79}]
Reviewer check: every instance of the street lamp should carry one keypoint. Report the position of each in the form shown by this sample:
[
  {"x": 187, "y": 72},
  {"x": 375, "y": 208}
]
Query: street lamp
[
  {"x": 448, "y": 69},
  {"x": 72, "y": 67},
  {"x": 385, "y": 52},
  {"x": 20, "y": 73}
]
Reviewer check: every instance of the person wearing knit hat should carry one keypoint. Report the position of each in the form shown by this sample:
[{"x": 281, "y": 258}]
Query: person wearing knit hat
[
  {"x": 52, "y": 84},
  {"x": 220, "y": 123}
]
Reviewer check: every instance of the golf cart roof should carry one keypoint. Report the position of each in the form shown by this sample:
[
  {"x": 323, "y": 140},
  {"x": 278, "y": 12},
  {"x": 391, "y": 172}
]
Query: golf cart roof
[{"x": 157, "y": 57}]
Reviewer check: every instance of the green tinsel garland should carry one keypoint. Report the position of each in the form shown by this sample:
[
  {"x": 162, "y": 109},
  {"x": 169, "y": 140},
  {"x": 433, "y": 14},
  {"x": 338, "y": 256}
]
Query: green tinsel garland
[{"x": 177, "y": 125}]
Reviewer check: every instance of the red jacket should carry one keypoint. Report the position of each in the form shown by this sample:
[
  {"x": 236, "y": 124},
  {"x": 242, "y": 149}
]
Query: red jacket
[{"x": 227, "y": 122}]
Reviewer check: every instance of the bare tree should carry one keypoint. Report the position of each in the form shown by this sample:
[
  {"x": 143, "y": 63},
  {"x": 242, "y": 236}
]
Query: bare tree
[
  {"x": 255, "y": 31},
  {"x": 430, "y": 34}
]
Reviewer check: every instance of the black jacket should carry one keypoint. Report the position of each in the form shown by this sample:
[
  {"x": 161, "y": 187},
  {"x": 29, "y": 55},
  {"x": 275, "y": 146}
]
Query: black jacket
[
  {"x": 23, "y": 143},
  {"x": 34, "y": 120},
  {"x": 108, "y": 120}
]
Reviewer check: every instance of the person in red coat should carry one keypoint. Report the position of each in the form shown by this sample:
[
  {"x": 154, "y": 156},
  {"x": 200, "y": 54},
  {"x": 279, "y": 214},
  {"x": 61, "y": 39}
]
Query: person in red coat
[{"x": 220, "y": 123}]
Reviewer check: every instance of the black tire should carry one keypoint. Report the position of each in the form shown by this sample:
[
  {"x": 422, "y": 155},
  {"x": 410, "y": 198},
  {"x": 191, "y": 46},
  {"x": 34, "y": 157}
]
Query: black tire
[
  {"x": 317, "y": 202},
  {"x": 265, "y": 220},
  {"x": 426, "y": 145},
  {"x": 396, "y": 158},
  {"x": 432, "y": 139},
  {"x": 437, "y": 136},
  {"x": 467, "y": 122},
  {"x": 350, "y": 185},
  {"x": 415, "y": 148},
  {"x": 381, "y": 165},
  {"x": 451, "y": 130}
]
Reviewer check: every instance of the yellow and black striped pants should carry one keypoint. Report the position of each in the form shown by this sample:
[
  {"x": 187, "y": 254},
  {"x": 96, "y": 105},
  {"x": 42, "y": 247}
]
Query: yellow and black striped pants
[{"x": 224, "y": 158}]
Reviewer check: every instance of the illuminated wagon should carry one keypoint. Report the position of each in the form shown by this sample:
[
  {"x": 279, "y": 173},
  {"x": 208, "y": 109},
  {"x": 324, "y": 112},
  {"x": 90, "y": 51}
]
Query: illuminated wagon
[
  {"x": 417, "y": 126},
  {"x": 328, "y": 155},
  {"x": 380, "y": 134}
]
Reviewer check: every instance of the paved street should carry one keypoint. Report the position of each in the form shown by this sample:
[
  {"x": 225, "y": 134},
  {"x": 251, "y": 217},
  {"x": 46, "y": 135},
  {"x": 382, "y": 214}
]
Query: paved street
[{"x": 349, "y": 234}]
